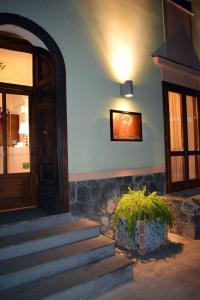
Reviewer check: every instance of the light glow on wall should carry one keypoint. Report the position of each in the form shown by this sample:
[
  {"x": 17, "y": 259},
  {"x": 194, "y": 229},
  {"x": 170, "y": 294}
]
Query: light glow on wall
[
  {"x": 124, "y": 104},
  {"x": 121, "y": 61},
  {"x": 117, "y": 28}
]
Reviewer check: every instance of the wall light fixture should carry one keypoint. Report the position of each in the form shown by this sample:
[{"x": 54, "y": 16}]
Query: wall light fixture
[{"x": 126, "y": 89}]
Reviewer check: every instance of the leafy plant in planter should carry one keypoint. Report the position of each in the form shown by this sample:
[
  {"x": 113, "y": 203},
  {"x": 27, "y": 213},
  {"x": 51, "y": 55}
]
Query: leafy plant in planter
[{"x": 135, "y": 206}]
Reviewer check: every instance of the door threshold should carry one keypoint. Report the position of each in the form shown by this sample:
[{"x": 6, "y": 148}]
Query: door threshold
[
  {"x": 187, "y": 193},
  {"x": 17, "y": 209},
  {"x": 21, "y": 214}
]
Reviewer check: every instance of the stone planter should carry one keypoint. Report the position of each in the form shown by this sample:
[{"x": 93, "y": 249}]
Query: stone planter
[{"x": 149, "y": 236}]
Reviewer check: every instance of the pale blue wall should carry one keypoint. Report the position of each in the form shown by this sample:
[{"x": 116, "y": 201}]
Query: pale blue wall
[{"x": 83, "y": 31}]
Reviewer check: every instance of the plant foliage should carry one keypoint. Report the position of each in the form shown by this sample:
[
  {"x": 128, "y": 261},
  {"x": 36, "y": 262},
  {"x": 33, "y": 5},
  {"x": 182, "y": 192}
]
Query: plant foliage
[{"x": 135, "y": 206}]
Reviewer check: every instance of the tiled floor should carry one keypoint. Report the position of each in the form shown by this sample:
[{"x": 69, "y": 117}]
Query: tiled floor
[{"x": 172, "y": 273}]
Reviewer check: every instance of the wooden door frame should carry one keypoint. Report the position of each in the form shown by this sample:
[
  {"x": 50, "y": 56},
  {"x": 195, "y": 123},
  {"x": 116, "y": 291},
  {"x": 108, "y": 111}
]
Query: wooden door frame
[
  {"x": 62, "y": 204},
  {"x": 186, "y": 184}
]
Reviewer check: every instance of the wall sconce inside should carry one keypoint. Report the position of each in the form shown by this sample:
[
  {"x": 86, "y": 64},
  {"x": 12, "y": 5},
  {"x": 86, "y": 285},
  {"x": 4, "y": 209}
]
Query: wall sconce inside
[{"x": 126, "y": 89}]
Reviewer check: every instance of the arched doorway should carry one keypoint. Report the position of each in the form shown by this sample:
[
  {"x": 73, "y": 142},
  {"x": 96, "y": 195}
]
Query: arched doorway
[{"x": 49, "y": 175}]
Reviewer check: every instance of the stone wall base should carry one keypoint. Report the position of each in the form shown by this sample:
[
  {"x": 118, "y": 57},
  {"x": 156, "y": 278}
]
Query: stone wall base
[
  {"x": 96, "y": 199},
  {"x": 99, "y": 196}
]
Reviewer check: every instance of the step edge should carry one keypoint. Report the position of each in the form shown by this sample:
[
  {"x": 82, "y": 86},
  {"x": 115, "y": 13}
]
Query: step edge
[
  {"x": 43, "y": 231},
  {"x": 48, "y": 269},
  {"x": 108, "y": 243},
  {"x": 32, "y": 220},
  {"x": 105, "y": 289},
  {"x": 127, "y": 265},
  {"x": 91, "y": 293},
  {"x": 90, "y": 232},
  {"x": 127, "y": 262}
]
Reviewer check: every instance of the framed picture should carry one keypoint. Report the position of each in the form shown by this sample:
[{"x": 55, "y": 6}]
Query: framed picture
[{"x": 125, "y": 126}]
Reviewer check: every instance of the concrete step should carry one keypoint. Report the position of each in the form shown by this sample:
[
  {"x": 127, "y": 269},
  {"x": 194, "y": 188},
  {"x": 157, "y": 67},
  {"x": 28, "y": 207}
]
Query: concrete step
[
  {"x": 76, "y": 284},
  {"x": 38, "y": 265},
  {"x": 38, "y": 240},
  {"x": 26, "y": 223}
]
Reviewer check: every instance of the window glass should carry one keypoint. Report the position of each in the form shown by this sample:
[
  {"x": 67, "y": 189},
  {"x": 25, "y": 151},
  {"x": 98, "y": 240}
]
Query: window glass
[
  {"x": 177, "y": 168},
  {"x": 192, "y": 123},
  {"x": 1, "y": 135},
  {"x": 16, "y": 67},
  {"x": 175, "y": 118},
  {"x": 194, "y": 166},
  {"x": 18, "y": 156}
]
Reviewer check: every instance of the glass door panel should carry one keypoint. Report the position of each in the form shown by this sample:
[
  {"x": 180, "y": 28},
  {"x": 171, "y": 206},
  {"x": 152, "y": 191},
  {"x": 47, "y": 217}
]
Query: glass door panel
[
  {"x": 177, "y": 168},
  {"x": 192, "y": 123},
  {"x": 18, "y": 156},
  {"x": 194, "y": 167},
  {"x": 1, "y": 134},
  {"x": 175, "y": 119},
  {"x": 182, "y": 137}
]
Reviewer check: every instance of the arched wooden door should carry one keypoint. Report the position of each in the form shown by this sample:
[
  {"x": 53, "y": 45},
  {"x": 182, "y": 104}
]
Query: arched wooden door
[{"x": 48, "y": 182}]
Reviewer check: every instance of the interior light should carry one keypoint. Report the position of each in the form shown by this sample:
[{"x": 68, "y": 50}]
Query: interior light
[{"x": 23, "y": 128}]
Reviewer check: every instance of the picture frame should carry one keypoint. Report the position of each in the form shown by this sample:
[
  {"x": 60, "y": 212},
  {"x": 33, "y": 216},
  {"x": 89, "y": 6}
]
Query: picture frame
[{"x": 125, "y": 126}]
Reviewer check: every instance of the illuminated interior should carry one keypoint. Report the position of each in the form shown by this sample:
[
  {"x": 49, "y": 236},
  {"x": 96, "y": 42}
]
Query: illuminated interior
[
  {"x": 176, "y": 136},
  {"x": 1, "y": 137},
  {"x": 18, "y": 150},
  {"x": 17, "y": 135},
  {"x": 176, "y": 130},
  {"x": 193, "y": 136},
  {"x": 15, "y": 68},
  {"x": 192, "y": 123}
]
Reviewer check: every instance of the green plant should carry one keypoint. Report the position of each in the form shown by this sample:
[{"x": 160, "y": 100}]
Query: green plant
[{"x": 135, "y": 206}]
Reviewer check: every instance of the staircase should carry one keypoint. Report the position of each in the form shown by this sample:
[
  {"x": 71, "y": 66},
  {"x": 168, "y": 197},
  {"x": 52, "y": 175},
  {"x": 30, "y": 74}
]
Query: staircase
[{"x": 54, "y": 257}]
